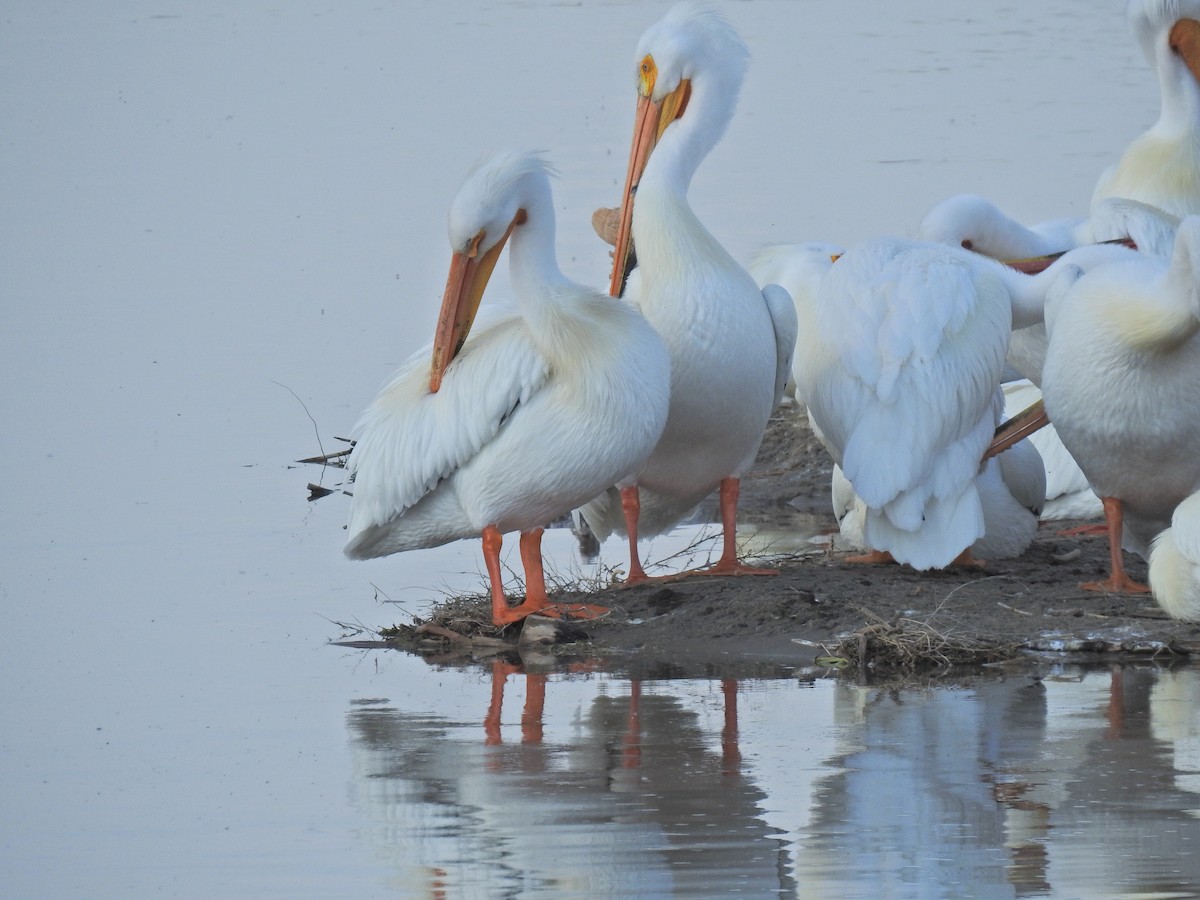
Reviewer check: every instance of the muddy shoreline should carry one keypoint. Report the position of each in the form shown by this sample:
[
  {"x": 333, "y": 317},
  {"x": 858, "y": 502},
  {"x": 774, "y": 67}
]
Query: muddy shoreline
[{"x": 820, "y": 609}]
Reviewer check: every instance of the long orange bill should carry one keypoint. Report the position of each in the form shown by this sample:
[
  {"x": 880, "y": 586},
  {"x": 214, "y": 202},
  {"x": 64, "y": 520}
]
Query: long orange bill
[
  {"x": 1019, "y": 427},
  {"x": 645, "y": 135},
  {"x": 469, "y": 274},
  {"x": 650, "y": 122},
  {"x": 1034, "y": 264}
]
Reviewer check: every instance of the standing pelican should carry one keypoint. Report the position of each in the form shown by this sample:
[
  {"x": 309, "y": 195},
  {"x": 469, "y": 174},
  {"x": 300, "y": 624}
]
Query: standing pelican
[
  {"x": 1161, "y": 167},
  {"x": 1144, "y": 194},
  {"x": 524, "y": 420},
  {"x": 900, "y": 361},
  {"x": 719, "y": 327},
  {"x": 1122, "y": 385},
  {"x": 1175, "y": 563}
]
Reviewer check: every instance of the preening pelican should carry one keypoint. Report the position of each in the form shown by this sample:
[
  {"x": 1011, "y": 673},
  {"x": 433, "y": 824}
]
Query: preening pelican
[
  {"x": 524, "y": 420},
  {"x": 900, "y": 358},
  {"x": 1175, "y": 563},
  {"x": 1012, "y": 487},
  {"x": 979, "y": 225},
  {"x": 1121, "y": 385},
  {"x": 730, "y": 342}
]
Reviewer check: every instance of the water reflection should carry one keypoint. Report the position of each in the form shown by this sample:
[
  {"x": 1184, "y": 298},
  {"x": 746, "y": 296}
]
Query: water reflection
[
  {"x": 638, "y": 802},
  {"x": 1060, "y": 783}
]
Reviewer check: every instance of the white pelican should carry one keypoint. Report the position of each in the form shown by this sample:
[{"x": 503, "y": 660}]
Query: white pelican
[
  {"x": 1142, "y": 196},
  {"x": 900, "y": 359},
  {"x": 1175, "y": 563},
  {"x": 719, "y": 327},
  {"x": 525, "y": 420},
  {"x": 1122, "y": 385},
  {"x": 1161, "y": 167},
  {"x": 978, "y": 224},
  {"x": 1068, "y": 494}
]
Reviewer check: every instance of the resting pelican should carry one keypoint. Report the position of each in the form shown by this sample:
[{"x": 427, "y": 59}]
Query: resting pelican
[
  {"x": 1175, "y": 563},
  {"x": 900, "y": 361},
  {"x": 719, "y": 327},
  {"x": 1121, "y": 385},
  {"x": 529, "y": 417}
]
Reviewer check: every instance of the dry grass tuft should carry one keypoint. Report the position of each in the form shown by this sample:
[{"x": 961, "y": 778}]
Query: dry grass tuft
[{"x": 909, "y": 645}]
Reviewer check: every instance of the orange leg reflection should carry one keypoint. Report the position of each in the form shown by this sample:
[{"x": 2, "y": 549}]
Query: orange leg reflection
[
  {"x": 731, "y": 754},
  {"x": 535, "y": 705},
  {"x": 631, "y": 743}
]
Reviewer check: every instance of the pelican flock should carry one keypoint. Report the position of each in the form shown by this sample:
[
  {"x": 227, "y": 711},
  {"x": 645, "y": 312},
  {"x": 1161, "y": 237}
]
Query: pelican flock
[{"x": 630, "y": 409}]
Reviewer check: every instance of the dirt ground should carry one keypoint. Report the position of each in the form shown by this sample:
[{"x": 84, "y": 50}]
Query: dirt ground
[{"x": 821, "y": 611}]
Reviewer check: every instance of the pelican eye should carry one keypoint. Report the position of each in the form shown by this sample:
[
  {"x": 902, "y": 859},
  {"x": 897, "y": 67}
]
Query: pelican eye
[
  {"x": 647, "y": 75},
  {"x": 968, "y": 244}
]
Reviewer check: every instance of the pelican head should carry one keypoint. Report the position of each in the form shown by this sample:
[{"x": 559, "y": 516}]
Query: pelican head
[
  {"x": 1169, "y": 34},
  {"x": 690, "y": 44},
  {"x": 489, "y": 205}
]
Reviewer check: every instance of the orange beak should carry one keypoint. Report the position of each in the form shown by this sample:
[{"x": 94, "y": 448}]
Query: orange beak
[
  {"x": 469, "y": 274},
  {"x": 1016, "y": 429},
  {"x": 651, "y": 121},
  {"x": 1184, "y": 39}
]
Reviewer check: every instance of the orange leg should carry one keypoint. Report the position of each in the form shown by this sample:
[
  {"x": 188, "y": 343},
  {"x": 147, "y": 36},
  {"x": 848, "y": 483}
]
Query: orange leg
[
  {"x": 967, "y": 560},
  {"x": 536, "y": 599},
  {"x": 1118, "y": 582},
  {"x": 631, "y": 506},
  {"x": 492, "y": 542},
  {"x": 728, "y": 564},
  {"x": 531, "y": 561},
  {"x": 871, "y": 558},
  {"x": 1093, "y": 530}
]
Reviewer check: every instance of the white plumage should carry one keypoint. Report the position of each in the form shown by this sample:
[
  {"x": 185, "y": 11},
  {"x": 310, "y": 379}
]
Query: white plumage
[
  {"x": 536, "y": 413},
  {"x": 1068, "y": 494},
  {"x": 899, "y": 360},
  {"x": 730, "y": 342},
  {"x": 1175, "y": 563},
  {"x": 1161, "y": 167},
  {"x": 1122, "y": 385},
  {"x": 1011, "y": 495}
]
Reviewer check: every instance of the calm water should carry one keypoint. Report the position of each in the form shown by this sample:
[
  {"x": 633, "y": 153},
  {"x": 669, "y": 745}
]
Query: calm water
[{"x": 216, "y": 214}]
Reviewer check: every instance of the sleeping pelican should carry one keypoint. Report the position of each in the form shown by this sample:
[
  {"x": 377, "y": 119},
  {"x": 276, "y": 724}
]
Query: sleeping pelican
[
  {"x": 1175, "y": 563},
  {"x": 524, "y": 420},
  {"x": 730, "y": 342},
  {"x": 1122, "y": 385},
  {"x": 900, "y": 361}
]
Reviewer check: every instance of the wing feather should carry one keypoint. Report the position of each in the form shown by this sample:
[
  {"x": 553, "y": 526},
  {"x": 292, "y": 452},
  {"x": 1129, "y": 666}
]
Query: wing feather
[
  {"x": 409, "y": 439},
  {"x": 919, "y": 336}
]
